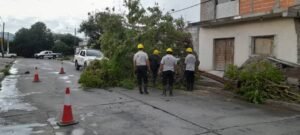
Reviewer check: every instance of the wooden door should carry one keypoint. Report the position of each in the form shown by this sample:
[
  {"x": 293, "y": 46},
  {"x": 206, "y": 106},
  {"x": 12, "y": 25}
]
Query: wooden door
[{"x": 223, "y": 53}]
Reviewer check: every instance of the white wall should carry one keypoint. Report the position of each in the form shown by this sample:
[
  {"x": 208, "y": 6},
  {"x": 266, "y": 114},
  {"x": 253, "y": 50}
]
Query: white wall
[{"x": 285, "y": 44}]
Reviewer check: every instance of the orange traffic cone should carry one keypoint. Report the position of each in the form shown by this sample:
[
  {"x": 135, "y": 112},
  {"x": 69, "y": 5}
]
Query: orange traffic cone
[
  {"x": 36, "y": 76},
  {"x": 67, "y": 117},
  {"x": 62, "y": 71}
]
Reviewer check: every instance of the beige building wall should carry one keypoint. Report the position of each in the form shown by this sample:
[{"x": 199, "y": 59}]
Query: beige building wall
[{"x": 285, "y": 41}]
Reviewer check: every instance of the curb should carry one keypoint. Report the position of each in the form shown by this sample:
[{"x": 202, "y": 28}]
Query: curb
[{"x": 292, "y": 106}]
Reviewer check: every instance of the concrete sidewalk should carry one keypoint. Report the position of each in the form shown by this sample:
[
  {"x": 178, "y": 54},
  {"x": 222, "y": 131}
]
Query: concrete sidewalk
[{"x": 221, "y": 114}]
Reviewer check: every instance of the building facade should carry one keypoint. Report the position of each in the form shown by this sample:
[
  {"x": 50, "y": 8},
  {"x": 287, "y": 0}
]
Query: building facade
[
  {"x": 194, "y": 30},
  {"x": 231, "y": 31}
]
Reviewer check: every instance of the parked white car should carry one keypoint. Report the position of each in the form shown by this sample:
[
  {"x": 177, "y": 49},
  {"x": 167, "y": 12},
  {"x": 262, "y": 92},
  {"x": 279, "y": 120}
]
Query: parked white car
[
  {"x": 9, "y": 55},
  {"x": 47, "y": 54},
  {"x": 85, "y": 56}
]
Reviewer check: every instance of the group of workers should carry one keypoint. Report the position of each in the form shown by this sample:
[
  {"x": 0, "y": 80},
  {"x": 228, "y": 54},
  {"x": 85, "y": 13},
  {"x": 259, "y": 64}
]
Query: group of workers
[{"x": 164, "y": 66}]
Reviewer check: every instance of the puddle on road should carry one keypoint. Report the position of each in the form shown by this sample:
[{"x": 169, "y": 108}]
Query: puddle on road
[
  {"x": 78, "y": 131},
  {"x": 68, "y": 82},
  {"x": 45, "y": 68},
  {"x": 83, "y": 116},
  {"x": 64, "y": 78},
  {"x": 26, "y": 129},
  {"x": 10, "y": 95},
  {"x": 59, "y": 133},
  {"x": 54, "y": 72},
  {"x": 67, "y": 78},
  {"x": 53, "y": 122}
]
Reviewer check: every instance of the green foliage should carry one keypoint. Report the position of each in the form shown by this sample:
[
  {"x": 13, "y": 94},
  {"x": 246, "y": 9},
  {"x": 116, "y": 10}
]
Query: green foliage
[
  {"x": 68, "y": 39},
  {"x": 97, "y": 73},
  {"x": 120, "y": 34},
  {"x": 127, "y": 83},
  {"x": 33, "y": 40},
  {"x": 232, "y": 72},
  {"x": 254, "y": 80},
  {"x": 63, "y": 48},
  {"x": 5, "y": 71}
]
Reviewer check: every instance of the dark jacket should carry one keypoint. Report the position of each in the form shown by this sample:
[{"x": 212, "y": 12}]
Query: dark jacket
[{"x": 154, "y": 62}]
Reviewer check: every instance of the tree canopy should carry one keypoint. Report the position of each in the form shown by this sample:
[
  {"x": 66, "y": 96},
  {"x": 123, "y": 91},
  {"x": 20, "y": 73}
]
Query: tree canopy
[
  {"x": 38, "y": 37},
  {"x": 33, "y": 40}
]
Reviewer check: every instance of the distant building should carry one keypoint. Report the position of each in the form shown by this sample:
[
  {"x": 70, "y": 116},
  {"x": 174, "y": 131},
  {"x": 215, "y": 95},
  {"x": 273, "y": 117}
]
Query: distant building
[{"x": 231, "y": 31}]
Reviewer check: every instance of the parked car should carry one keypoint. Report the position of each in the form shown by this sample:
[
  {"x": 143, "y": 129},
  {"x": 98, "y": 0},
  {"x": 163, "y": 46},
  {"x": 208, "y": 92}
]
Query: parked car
[
  {"x": 47, "y": 54},
  {"x": 85, "y": 56},
  {"x": 9, "y": 55}
]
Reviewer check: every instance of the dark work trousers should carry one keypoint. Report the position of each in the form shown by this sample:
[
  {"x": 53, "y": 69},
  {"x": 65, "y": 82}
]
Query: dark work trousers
[
  {"x": 190, "y": 78},
  {"x": 154, "y": 75},
  {"x": 168, "y": 80},
  {"x": 142, "y": 78}
]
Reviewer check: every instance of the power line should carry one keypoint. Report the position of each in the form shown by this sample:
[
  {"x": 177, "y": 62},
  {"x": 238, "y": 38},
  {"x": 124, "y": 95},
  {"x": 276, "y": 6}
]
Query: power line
[{"x": 186, "y": 8}]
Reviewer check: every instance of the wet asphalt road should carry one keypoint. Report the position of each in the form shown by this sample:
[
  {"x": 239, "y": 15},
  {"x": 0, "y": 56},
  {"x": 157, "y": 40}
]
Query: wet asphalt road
[{"x": 34, "y": 108}]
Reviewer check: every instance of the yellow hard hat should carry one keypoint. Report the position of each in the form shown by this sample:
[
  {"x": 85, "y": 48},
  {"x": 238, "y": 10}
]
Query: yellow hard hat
[
  {"x": 190, "y": 50},
  {"x": 169, "y": 50},
  {"x": 140, "y": 46},
  {"x": 156, "y": 52}
]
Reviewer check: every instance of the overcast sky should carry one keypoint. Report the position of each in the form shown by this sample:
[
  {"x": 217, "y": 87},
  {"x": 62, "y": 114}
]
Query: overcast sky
[{"x": 62, "y": 16}]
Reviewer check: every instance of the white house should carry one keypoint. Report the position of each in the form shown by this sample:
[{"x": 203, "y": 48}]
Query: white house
[{"x": 231, "y": 31}]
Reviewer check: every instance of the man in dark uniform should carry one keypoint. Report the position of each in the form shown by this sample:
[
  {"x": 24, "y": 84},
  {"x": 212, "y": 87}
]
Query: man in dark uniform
[{"x": 154, "y": 65}]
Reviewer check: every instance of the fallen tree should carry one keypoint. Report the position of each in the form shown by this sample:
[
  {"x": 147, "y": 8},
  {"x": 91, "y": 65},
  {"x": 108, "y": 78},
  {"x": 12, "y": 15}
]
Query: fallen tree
[
  {"x": 260, "y": 80},
  {"x": 119, "y": 35}
]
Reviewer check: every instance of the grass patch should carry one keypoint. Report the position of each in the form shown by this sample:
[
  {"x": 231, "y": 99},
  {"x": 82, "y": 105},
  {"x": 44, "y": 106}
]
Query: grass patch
[
  {"x": 6, "y": 70},
  {"x": 128, "y": 84}
]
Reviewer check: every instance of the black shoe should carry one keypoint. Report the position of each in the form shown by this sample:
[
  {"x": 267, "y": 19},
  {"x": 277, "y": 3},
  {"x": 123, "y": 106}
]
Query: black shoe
[
  {"x": 145, "y": 90},
  {"x": 140, "y": 89}
]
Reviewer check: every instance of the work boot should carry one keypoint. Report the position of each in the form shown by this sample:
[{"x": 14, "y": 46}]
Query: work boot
[
  {"x": 187, "y": 87},
  {"x": 192, "y": 87},
  {"x": 171, "y": 91},
  {"x": 165, "y": 91},
  {"x": 145, "y": 89},
  {"x": 141, "y": 91}
]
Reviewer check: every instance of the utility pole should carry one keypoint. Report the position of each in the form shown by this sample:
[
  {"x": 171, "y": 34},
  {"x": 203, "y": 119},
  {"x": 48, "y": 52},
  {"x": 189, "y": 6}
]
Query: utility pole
[
  {"x": 75, "y": 37},
  {"x": 7, "y": 49},
  {"x": 2, "y": 48}
]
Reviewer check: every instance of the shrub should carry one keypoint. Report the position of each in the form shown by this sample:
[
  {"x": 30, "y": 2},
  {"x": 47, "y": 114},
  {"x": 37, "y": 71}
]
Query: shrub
[
  {"x": 127, "y": 83},
  {"x": 232, "y": 72},
  {"x": 254, "y": 79}
]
